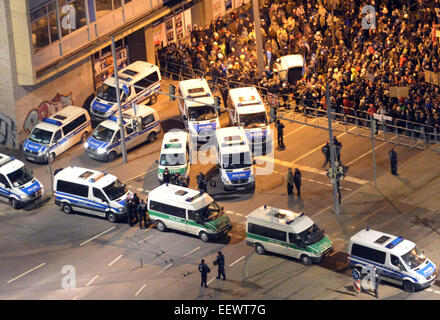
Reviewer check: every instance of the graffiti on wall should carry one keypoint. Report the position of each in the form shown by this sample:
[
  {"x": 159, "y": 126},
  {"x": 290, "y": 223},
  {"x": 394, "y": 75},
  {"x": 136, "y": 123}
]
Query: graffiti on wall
[
  {"x": 46, "y": 109},
  {"x": 8, "y": 131}
]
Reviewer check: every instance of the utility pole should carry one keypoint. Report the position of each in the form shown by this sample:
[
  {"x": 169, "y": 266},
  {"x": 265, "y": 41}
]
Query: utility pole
[
  {"x": 118, "y": 99},
  {"x": 332, "y": 150},
  {"x": 373, "y": 153},
  {"x": 258, "y": 38},
  {"x": 49, "y": 163}
]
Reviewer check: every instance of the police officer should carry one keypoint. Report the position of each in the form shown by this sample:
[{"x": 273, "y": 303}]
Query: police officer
[
  {"x": 201, "y": 182},
  {"x": 280, "y": 131},
  {"x": 166, "y": 176},
  {"x": 204, "y": 270},
  {"x": 326, "y": 151},
  {"x": 393, "y": 161},
  {"x": 220, "y": 263},
  {"x": 224, "y": 89},
  {"x": 338, "y": 146},
  {"x": 134, "y": 205},
  {"x": 376, "y": 282},
  {"x": 142, "y": 211},
  {"x": 297, "y": 181},
  {"x": 127, "y": 204}
]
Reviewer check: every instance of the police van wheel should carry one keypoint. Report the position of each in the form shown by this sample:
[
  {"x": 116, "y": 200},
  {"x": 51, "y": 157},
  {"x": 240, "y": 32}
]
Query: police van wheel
[
  {"x": 204, "y": 236},
  {"x": 112, "y": 156},
  {"x": 160, "y": 226},
  {"x": 151, "y": 137},
  {"x": 259, "y": 249},
  {"x": 152, "y": 100},
  {"x": 14, "y": 203},
  {"x": 408, "y": 286},
  {"x": 67, "y": 209},
  {"x": 305, "y": 260},
  {"x": 111, "y": 216}
]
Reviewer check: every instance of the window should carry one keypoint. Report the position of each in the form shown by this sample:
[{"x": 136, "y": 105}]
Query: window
[
  {"x": 368, "y": 253},
  {"x": 117, "y": 136},
  {"x": 57, "y": 137},
  {"x": 75, "y": 124},
  {"x": 72, "y": 16},
  {"x": 395, "y": 261},
  {"x": 4, "y": 181},
  {"x": 98, "y": 194},
  {"x": 129, "y": 130},
  {"x": 165, "y": 208},
  {"x": 73, "y": 188},
  {"x": 147, "y": 81},
  {"x": 294, "y": 238},
  {"x": 267, "y": 232},
  {"x": 147, "y": 120}
]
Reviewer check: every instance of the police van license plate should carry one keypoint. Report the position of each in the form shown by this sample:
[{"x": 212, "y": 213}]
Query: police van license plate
[{"x": 31, "y": 158}]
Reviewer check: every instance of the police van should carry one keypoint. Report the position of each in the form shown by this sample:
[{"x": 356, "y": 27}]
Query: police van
[
  {"x": 398, "y": 260},
  {"x": 17, "y": 183},
  {"x": 89, "y": 191},
  {"x": 63, "y": 130},
  {"x": 197, "y": 111},
  {"x": 140, "y": 124},
  {"x": 139, "y": 73},
  {"x": 187, "y": 210},
  {"x": 249, "y": 112},
  {"x": 234, "y": 159},
  {"x": 290, "y": 68},
  {"x": 270, "y": 229},
  {"x": 175, "y": 154}
]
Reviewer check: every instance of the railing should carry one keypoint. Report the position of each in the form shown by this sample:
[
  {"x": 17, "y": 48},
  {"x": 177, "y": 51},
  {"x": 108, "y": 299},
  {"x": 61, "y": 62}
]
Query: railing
[{"x": 401, "y": 131}]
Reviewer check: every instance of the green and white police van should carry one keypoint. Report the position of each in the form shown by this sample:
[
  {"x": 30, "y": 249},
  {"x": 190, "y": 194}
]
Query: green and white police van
[
  {"x": 175, "y": 154},
  {"x": 288, "y": 233},
  {"x": 187, "y": 210}
]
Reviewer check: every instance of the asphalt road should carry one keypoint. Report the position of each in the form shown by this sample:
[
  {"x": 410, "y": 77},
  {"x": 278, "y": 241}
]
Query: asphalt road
[{"x": 113, "y": 261}]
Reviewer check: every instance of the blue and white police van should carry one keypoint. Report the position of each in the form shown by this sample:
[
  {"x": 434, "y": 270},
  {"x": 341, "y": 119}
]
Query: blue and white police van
[
  {"x": 234, "y": 159},
  {"x": 17, "y": 183},
  {"x": 198, "y": 113},
  {"x": 139, "y": 73},
  {"x": 398, "y": 260},
  {"x": 60, "y": 132},
  {"x": 140, "y": 124},
  {"x": 249, "y": 112},
  {"x": 90, "y": 191}
]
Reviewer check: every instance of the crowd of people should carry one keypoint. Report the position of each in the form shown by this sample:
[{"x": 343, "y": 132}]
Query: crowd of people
[{"x": 359, "y": 63}]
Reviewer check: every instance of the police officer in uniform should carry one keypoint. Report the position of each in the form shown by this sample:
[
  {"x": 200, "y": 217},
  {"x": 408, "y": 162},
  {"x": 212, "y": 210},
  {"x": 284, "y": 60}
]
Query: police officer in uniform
[
  {"x": 201, "y": 182},
  {"x": 393, "y": 161},
  {"x": 166, "y": 176},
  {"x": 142, "y": 211},
  {"x": 127, "y": 205},
  {"x": 134, "y": 205},
  {"x": 204, "y": 270},
  {"x": 326, "y": 151},
  {"x": 224, "y": 89},
  {"x": 280, "y": 131},
  {"x": 220, "y": 263}
]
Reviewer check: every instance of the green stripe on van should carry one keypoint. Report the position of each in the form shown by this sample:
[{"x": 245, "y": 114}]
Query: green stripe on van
[{"x": 215, "y": 225}]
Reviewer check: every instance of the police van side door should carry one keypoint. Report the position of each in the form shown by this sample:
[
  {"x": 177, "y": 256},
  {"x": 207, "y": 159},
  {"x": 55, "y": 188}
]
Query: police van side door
[
  {"x": 101, "y": 201},
  {"x": 5, "y": 186},
  {"x": 396, "y": 270},
  {"x": 295, "y": 245},
  {"x": 58, "y": 147}
]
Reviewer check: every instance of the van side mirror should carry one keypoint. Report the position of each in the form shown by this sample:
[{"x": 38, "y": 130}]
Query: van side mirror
[{"x": 254, "y": 161}]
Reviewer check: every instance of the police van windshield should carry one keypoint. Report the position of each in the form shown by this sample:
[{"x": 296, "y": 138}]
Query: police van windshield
[
  {"x": 210, "y": 212},
  {"x": 102, "y": 133},
  {"x": 20, "y": 176},
  {"x": 115, "y": 190},
  {"x": 107, "y": 93},
  {"x": 311, "y": 235},
  {"x": 40, "y": 136},
  {"x": 253, "y": 120},
  {"x": 414, "y": 258},
  {"x": 236, "y": 160},
  {"x": 172, "y": 159},
  {"x": 202, "y": 113}
]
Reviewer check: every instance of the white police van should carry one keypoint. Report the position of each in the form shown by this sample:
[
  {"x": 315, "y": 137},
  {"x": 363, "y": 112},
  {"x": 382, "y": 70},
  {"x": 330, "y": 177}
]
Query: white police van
[
  {"x": 187, "y": 210},
  {"x": 175, "y": 154},
  {"x": 398, "y": 260},
  {"x": 290, "y": 68},
  {"x": 270, "y": 229},
  {"x": 234, "y": 159},
  {"x": 89, "y": 191},
  {"x": 61, "y": 131},
  {"x": 249, "y": 112},
  {"x": 140, "y": 124},
  {"x": 17, "y": 183},
  {"x": 197, "y": 112},
  {"x": 139, "y": 73}
]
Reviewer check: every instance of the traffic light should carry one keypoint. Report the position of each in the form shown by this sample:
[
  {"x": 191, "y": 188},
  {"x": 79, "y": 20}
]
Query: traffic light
[
  {"x": 374, "y": 126},
  {"x": 217, "y": 101},
  {"x": 172, "y": 92}
]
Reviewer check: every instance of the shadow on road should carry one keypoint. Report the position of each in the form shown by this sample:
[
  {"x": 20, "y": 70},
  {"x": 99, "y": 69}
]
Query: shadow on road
[{"x": 337, "y": 262}]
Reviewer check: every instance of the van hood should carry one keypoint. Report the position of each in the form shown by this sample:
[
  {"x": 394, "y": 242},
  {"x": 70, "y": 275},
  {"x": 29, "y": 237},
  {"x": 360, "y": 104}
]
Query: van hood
[
  {"x": 99, "y": 106},
  {"x": 322, "y": 245},
  {"x": 427, "y": 269},
  {"x": 239, "y": 175},
  {"x": 32, "y": 188},
  {"x": 96, "y": 144},
  {"x": 205, "y": 126},
  {"x": 33, "y": 146},
  {"x": 219, "y": 223}
]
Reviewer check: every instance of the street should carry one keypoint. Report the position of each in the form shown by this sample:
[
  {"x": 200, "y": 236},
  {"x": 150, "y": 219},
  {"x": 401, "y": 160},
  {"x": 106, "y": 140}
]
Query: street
[{"x": 113, "y": 261}]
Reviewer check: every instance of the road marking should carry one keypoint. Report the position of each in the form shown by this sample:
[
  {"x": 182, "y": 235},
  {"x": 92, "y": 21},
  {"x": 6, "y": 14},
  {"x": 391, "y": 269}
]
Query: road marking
[
  {"x": 139, "y": 291},
  {"x": 236, "y": 261},
  {"x": 229, "y": 211},
  {"x": 210, "y": 281},
  {"x": 368, "y": 152},
  {"x": 25, "y": 273},
  {"x": 168, "y": 266},
  {"x": 297, "y": 129},
  {"x": 191, "y": 251},
  {"x": 75, "y": 298},
  {"x": 115, "y": 260},
  {"x": 239, "y": 214},
  {"x": 93, "y": 238},
  {"x": 139, "y": 189},
  {"x": 93, "y": 279},
  {"x": 150, "y": 236}
]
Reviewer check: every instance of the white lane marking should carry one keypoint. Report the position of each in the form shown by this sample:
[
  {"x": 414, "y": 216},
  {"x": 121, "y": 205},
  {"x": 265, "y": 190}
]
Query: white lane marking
[
  {"x": 150, "y": 236},
  {"x": 93, "y": 238},
  {"x": 91, "y": 281},
  {"x": 139, "y": 291},
  {"x": 139, "y": 189},
  {"x": 210, "y": 281},
  {"x": 168, "y": 266},
  {"x": 194, "y": 250},
  {"x": 320, "y": 182},
  {"x": 368, "y": 152},
  {"x": 25, "y": 273},
  {"x": 239, "y": 259},
  {"x": 115, "y": 260},
  {"x": 229, "y": 211},
  {"x": 297, "y": 129},
  {"x": 239, "y": 214}
]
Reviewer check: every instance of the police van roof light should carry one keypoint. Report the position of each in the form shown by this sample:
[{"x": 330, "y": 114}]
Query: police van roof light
[
  {"x": 394, "y": 243},
  {"x": 52, "y": 121}
]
